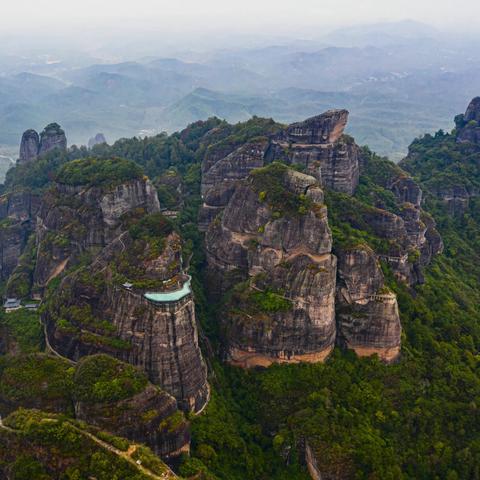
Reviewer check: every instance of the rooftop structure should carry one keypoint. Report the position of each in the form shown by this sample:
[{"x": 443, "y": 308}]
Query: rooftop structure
[{"x": 12, "y": 304}]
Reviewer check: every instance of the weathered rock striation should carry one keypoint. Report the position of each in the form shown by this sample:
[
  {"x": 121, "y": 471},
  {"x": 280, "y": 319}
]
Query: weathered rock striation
[{"x": 319, "y": 146}]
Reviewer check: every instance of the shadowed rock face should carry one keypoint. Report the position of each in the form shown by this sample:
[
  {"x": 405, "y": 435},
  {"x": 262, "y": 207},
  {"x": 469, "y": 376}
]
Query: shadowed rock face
[
  {"x": 17, "y": 213},
  {"x": 29, "y": 146},
  {"x": 473, "y": 110}
]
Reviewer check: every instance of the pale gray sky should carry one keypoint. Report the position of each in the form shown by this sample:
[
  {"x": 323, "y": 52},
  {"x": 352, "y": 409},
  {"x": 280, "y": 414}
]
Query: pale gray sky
[{"x": 272, "y": 15}]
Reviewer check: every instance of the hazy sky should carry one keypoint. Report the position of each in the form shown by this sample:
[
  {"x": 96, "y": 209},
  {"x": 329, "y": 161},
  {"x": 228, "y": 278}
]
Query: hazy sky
[{"x": 282, "y": 16}]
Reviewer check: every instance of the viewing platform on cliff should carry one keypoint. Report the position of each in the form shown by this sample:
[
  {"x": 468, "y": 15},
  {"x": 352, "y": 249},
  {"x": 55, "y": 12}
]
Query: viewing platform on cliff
[{"x": 171, "y": 296}]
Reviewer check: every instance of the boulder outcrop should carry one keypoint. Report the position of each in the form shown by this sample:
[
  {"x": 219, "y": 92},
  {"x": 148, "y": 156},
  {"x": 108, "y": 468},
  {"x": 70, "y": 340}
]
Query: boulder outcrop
[
  {"x": 52, "y": 137},
  {"x": 319, "y": 146}
]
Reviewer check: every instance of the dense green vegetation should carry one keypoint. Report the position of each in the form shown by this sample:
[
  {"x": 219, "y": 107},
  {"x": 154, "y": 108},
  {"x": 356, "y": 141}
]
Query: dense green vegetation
[
  {"x": 36, "y": 380},
  {"x": 418, "y": 419},
  {"x": 22, "y": 330},
  {"x": 98, "y": 172},
  {"x": 101, "y": 378},
  {"x": 270, "y": 184},
  {"x": 45, "y": 446}
]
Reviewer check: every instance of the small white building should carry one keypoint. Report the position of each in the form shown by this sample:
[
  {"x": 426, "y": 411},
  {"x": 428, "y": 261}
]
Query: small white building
[{"x": 12, "y": 304}]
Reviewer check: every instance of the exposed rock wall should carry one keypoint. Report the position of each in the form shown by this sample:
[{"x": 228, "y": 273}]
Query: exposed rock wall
[{"x": 468, "y": 125}]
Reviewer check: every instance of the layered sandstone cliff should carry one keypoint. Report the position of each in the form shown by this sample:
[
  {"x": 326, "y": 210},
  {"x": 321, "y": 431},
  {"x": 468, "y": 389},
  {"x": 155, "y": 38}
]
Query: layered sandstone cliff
[
  {"x": 317, "y": 145},
  {"x": 274, "y": 236}
]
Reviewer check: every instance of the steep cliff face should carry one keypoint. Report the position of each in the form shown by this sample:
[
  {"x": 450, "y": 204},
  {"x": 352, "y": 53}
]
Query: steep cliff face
[
  {"x": 94, "y": 313},
  {"x": 368, "y": 319},
  {"x": 17, "y": 220},
  {"x": 274, "y": 236},
  {"x": 74, "y": 219},
  {"x": 13, "y": 238}
]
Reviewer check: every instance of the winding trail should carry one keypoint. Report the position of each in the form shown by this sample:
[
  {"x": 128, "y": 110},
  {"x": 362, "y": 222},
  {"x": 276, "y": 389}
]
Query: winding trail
[{"x": 168, "y": 474}]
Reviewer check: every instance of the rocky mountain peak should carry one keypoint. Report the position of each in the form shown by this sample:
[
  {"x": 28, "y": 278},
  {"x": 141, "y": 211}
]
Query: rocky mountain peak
[
  {"x": 34, "y": 145},
  {"x": 473, "y": 110},
  {"x": 321, "y": 129},
  {"x": 52, "y": 137},
  {"x": 98, "y": 139},
  {"x": 29, "y": 146},
  {"x": 468, "y": 125}
]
